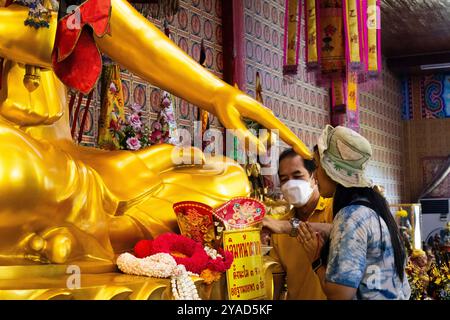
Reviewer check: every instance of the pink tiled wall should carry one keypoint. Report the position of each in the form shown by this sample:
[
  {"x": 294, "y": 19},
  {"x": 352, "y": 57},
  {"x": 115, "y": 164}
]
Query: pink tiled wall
[
  {"x": 304, "y": 107},
  {"x": 380, "y": 121},
  {"x": 301, "y": 105},
  {"x": 196, "y": 20}
]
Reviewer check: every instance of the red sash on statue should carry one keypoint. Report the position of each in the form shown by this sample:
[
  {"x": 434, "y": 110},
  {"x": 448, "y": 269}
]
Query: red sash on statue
[{"x": 76, "y": 59}]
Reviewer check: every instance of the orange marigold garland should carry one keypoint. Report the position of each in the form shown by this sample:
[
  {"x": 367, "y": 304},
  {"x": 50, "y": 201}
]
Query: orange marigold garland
[{"x": 210, "y": 276}]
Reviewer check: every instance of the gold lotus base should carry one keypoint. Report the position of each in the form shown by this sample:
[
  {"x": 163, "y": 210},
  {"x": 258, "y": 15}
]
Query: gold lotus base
[{"x": 99, "y": 281}]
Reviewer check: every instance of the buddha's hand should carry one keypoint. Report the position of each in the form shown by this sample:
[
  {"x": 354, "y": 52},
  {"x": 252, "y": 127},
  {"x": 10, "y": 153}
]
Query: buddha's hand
[{"x": 231, "y": 105}]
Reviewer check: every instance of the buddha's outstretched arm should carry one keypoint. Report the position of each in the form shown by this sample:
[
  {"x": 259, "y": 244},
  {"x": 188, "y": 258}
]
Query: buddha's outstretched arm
[
  {"x": 22, "y": 43},
  {"x": 142, "y": 48}
]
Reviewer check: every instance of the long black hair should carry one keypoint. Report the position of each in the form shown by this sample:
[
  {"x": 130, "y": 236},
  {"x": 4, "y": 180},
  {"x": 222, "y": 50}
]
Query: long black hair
[{"x": 345, "y": 196}]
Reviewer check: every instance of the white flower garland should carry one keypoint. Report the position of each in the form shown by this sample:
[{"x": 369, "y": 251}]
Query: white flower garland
[
  {"x": 212, "y": 253},
  {"x": 161, "y": 265}
]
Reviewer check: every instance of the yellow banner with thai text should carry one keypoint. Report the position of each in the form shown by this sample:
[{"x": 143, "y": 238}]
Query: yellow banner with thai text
[{"x": 245, "y": 279}]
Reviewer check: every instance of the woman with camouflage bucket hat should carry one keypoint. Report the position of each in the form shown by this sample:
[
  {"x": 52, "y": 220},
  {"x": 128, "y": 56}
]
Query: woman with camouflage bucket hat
[{"x": 363, "y": 257}]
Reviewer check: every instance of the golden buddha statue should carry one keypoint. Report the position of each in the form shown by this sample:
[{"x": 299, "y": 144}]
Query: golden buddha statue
[{"x": 61, "y": 202}]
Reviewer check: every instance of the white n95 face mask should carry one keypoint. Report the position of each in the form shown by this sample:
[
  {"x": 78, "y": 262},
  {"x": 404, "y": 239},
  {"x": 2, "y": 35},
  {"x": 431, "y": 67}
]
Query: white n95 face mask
[{"x": 297, "y": 192}]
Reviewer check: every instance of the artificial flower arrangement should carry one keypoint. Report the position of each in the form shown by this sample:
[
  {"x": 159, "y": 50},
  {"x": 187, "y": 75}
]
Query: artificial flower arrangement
[
  {"x": 205, "y": 261},
  {"x": 178, "y": 257},
  {"x": 429, "y": 274},
  {"x": 418, "y": 279},
  {"x": 198, "y": 250},
  {"x": 432, "y": 285},
  {"x": 402, "y": 213},
  {"x": 440, "y": 280},
  {"x": 133, "y": 134}
]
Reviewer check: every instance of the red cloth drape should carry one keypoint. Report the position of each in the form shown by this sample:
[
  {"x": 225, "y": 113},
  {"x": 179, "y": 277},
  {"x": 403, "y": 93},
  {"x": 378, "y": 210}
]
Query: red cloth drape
[{"x": 76, "y": 59}]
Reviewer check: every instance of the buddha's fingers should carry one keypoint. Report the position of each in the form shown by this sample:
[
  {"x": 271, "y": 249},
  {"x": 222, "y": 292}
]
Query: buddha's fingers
[{"x": 257, "y": 112}]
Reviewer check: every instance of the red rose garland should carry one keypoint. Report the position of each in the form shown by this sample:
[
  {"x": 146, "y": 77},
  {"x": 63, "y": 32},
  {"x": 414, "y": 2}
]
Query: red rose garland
[
  {"x": 221, "y": 264},
  {"x": 185, "y": 251}
]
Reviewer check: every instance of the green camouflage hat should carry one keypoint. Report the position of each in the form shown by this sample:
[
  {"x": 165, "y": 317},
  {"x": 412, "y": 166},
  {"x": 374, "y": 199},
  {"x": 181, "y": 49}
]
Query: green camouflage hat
[{"x": 344, "y": 155}]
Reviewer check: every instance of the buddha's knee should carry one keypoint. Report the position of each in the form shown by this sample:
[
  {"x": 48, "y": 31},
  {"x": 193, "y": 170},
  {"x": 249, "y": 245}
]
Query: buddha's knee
[
  {"x": 23, "y": 178},
  {"x": 232, "y": 176},
  {"x": 220, "y": 178}
]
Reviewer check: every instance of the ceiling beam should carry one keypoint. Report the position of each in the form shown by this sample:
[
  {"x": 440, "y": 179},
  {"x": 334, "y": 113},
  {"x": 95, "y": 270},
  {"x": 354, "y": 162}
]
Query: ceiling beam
[{"x": 411, "y": 64}]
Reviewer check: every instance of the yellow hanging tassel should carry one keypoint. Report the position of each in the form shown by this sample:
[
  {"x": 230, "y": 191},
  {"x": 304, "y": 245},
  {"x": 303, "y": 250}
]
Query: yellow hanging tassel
[
  {"x": 312, "y": 55},
  {"x": 352, "y": 33},
  {"x": 372, "y": 34}
]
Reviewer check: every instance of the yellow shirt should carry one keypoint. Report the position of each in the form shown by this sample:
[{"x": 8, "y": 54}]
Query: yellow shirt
[{"x": 302, "y": 281}]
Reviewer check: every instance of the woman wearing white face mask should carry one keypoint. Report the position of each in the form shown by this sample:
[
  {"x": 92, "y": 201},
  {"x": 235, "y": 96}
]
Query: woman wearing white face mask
[{"x": 300, "y": 190}]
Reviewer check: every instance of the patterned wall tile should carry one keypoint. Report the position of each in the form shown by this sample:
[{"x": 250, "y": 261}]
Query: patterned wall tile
[
  {"x": 293, "y": 103},
  {"x": 304, "y": 107},
  {"x": 196, "y": 20},
  {"x": 380, "y": 116}
]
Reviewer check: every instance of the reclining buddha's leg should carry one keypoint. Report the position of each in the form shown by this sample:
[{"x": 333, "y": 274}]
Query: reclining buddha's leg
[
  {"x": 52, "y": 207},
  {"x": 134, "y": 178},
  {"x": 213, "y": 183}
]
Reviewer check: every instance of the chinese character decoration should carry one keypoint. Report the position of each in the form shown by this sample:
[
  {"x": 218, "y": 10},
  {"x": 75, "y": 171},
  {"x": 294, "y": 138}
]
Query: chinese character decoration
[{"x": 342, "y": 39}]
